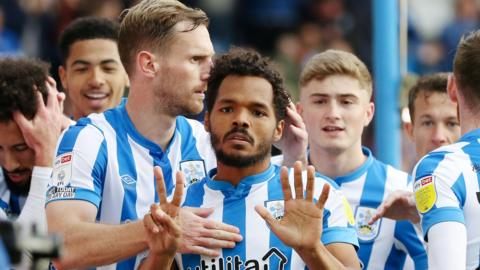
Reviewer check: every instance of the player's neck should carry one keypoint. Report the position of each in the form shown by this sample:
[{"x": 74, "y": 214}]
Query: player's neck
[
  {"x": 336, "y": 163},
  {"x": 235, "y": 174},
  {"x": 468, "y": 121},
  {"x": 153, "y": 125}
]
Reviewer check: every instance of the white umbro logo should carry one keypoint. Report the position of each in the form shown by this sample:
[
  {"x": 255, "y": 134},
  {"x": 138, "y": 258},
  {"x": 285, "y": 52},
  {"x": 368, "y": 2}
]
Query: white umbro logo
[{"x": 127, "y": 179}]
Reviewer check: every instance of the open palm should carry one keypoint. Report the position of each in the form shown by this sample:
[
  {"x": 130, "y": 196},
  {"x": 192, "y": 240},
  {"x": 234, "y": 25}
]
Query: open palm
[{"x": 301, "y": 225}]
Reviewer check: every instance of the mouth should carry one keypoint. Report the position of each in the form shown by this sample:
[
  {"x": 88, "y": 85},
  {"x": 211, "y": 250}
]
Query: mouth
[
  {"x": 239, "y": 137},
  {"x": 332, "y": 129},
  {"x": 96, "y": 95},
  {"x": 18, "y": 177}
]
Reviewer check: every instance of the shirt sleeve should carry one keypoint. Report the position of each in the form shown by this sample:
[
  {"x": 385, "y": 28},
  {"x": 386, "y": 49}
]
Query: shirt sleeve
[
  {"x": 338, "y": 220},
  {"x": 439, "y": 190},
  {"x": 80, "y": 165}
]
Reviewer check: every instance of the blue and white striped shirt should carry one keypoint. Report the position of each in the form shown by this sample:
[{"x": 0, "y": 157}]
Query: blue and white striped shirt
[
  {"x": 104, "y": 160},
  {"x": 447, "y": 189},
  {"x": 386, "y": 243},
  {"x": 260, "y": 248}
]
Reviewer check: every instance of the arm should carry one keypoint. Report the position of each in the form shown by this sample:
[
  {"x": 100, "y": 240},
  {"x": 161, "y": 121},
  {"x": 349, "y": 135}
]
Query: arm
[
  {"x": 302, "y": 225},
  {"x": 87, "y": 243},
  {"x": 33, "y": 212},
  {"x": 453, "y": 243},
  {"x": 41, "y": 134}
]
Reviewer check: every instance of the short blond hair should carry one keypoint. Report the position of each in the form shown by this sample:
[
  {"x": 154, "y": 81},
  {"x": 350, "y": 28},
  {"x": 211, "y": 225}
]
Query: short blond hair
[
  {"x": 150, "y": 25},
  {"x": 335, "y": 62}
]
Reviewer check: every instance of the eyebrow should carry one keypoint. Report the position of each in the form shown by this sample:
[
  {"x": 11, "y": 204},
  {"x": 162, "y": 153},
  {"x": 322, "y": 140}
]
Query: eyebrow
[
  {"x": 251, "y": 104},
  {"x": 337, "y": 95},
  {"x": 103, "y": 62}
]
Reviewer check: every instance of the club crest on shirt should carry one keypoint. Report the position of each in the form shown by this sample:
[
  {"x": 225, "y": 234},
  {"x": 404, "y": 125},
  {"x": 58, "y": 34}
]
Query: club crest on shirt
[
  {"x": 276, "y": 208},
  {"x": 194, "y": 171},
  {"x": 425, "y": 193},
  {"x": 62, "y": 169},
  {"x": 366, "y": 232}
]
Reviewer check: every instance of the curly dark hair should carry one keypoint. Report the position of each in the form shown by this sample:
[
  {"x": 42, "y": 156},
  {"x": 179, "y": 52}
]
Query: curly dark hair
[
  {"x": 247, "y": 62},
  {"x": 18, "y": 78},
  {"x": 85, "y": 28}
]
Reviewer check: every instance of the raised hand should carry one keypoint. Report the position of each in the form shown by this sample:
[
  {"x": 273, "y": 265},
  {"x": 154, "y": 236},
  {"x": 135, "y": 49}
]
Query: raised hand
[
  {"x": 41, "y": 133},
  {"x": 162, "y": 228},
  {"x": 294, "y": 140},
  {"x": 399, "y": 205},
  {"x": 302, "y": 224}
]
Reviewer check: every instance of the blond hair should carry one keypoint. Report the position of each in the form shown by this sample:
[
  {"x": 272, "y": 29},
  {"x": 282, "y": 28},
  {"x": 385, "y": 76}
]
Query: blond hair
[
  {"x": 335, "y": 62},
  {"x": 149, "y": 25}
]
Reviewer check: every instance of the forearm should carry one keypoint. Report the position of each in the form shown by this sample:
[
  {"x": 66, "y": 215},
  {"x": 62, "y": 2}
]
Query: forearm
[
  {"x": 453, "y": 243},
  {"x": 92, "y": 244},
  {"x": 319, "y": 258},
  {"x": 33, "y": 211}
]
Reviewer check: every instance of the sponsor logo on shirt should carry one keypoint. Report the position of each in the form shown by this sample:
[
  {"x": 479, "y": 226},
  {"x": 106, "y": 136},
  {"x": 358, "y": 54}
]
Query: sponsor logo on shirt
[
  {"x": 60, "y": 193},
  {"x": 62, "y": 169},
  {"x": 425, "y": 193},
  {"x": 194, "y": 170},
  {"x": 366, "y": 232},
  {"x": 236, "y": 263}
]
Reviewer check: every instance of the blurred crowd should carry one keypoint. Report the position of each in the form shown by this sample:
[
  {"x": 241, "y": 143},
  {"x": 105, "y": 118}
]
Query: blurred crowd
[{"x": 290, "y": 31}]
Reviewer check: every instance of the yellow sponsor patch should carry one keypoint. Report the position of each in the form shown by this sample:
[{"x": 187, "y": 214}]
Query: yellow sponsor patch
[
  {"x": 425, "y": 193},
  {"x": 348, "y": 211}
]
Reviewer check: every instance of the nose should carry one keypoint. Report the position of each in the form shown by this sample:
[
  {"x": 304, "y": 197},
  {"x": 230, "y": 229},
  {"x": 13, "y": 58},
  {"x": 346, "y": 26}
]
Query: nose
[
  {"x": 10, "y": 163},
  {"x": 205, "y": 73},
  {"x": 333, "y": 111},
  {"x": 96, "y": 77},
  {"x": 439, "y": 135},
  {"x": 241, "y": 119}
]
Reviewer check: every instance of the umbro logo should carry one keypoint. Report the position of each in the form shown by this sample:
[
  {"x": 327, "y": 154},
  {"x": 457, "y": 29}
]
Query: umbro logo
[{"x": 127, "y": 179}]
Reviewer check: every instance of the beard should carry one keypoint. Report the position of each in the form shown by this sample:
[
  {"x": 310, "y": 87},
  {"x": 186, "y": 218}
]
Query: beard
[
  {"x": 238, "y": 160},
  {"x": 19, "y": 189}
]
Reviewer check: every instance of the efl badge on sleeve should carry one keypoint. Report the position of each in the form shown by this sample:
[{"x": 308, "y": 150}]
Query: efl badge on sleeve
[
  {"x": 62, "y": 169},
  {"x": 425, "y": 193},
  {"x": 366, "y": 232},
  {"x": 276, "y": 208},
  {"x": 194, "y": 171}
]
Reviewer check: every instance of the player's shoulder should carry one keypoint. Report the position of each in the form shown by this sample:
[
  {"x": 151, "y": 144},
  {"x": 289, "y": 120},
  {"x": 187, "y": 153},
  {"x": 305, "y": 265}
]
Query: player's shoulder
[{"x": 448, "y": 158}]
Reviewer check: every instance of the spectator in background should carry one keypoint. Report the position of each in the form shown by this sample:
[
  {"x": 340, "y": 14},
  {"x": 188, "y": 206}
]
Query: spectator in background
[
  {"x": 91, "y": 73},
  {"x": 9, "y": 43}
]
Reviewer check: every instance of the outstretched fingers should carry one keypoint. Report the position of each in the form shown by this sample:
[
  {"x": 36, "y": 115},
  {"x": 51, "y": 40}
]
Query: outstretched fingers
[
  {"x": 298, "y": 181},
  {"x": 161, "y": 190},
  {"x": 310, "y": 183},
  {"x": 287, "y": 192},
  {"x": 323, "y": 196}
]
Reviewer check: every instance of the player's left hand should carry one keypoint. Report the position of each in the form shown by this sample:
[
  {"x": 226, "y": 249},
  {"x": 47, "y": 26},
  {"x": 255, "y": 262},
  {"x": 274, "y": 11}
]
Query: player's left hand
[
  {"x": 301, "y": 226},
  {"x": 294, "y": 140}
]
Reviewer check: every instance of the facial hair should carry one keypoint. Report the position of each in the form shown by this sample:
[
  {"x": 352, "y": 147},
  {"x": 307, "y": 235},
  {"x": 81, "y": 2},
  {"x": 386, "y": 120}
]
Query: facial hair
[
  {"x": 19, "y": 189},
  {"x": 240, "y": 161}
]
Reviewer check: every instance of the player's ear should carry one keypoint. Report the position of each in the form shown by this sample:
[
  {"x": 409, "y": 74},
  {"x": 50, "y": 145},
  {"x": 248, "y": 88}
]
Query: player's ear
[
  {"x": 452, "y": 88},
  {"x": 147, "y": 63},
  {"x": 409, "y": 129},
  {"x": 370, "y": 111},
  {"x": 278, "y": 130}
]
